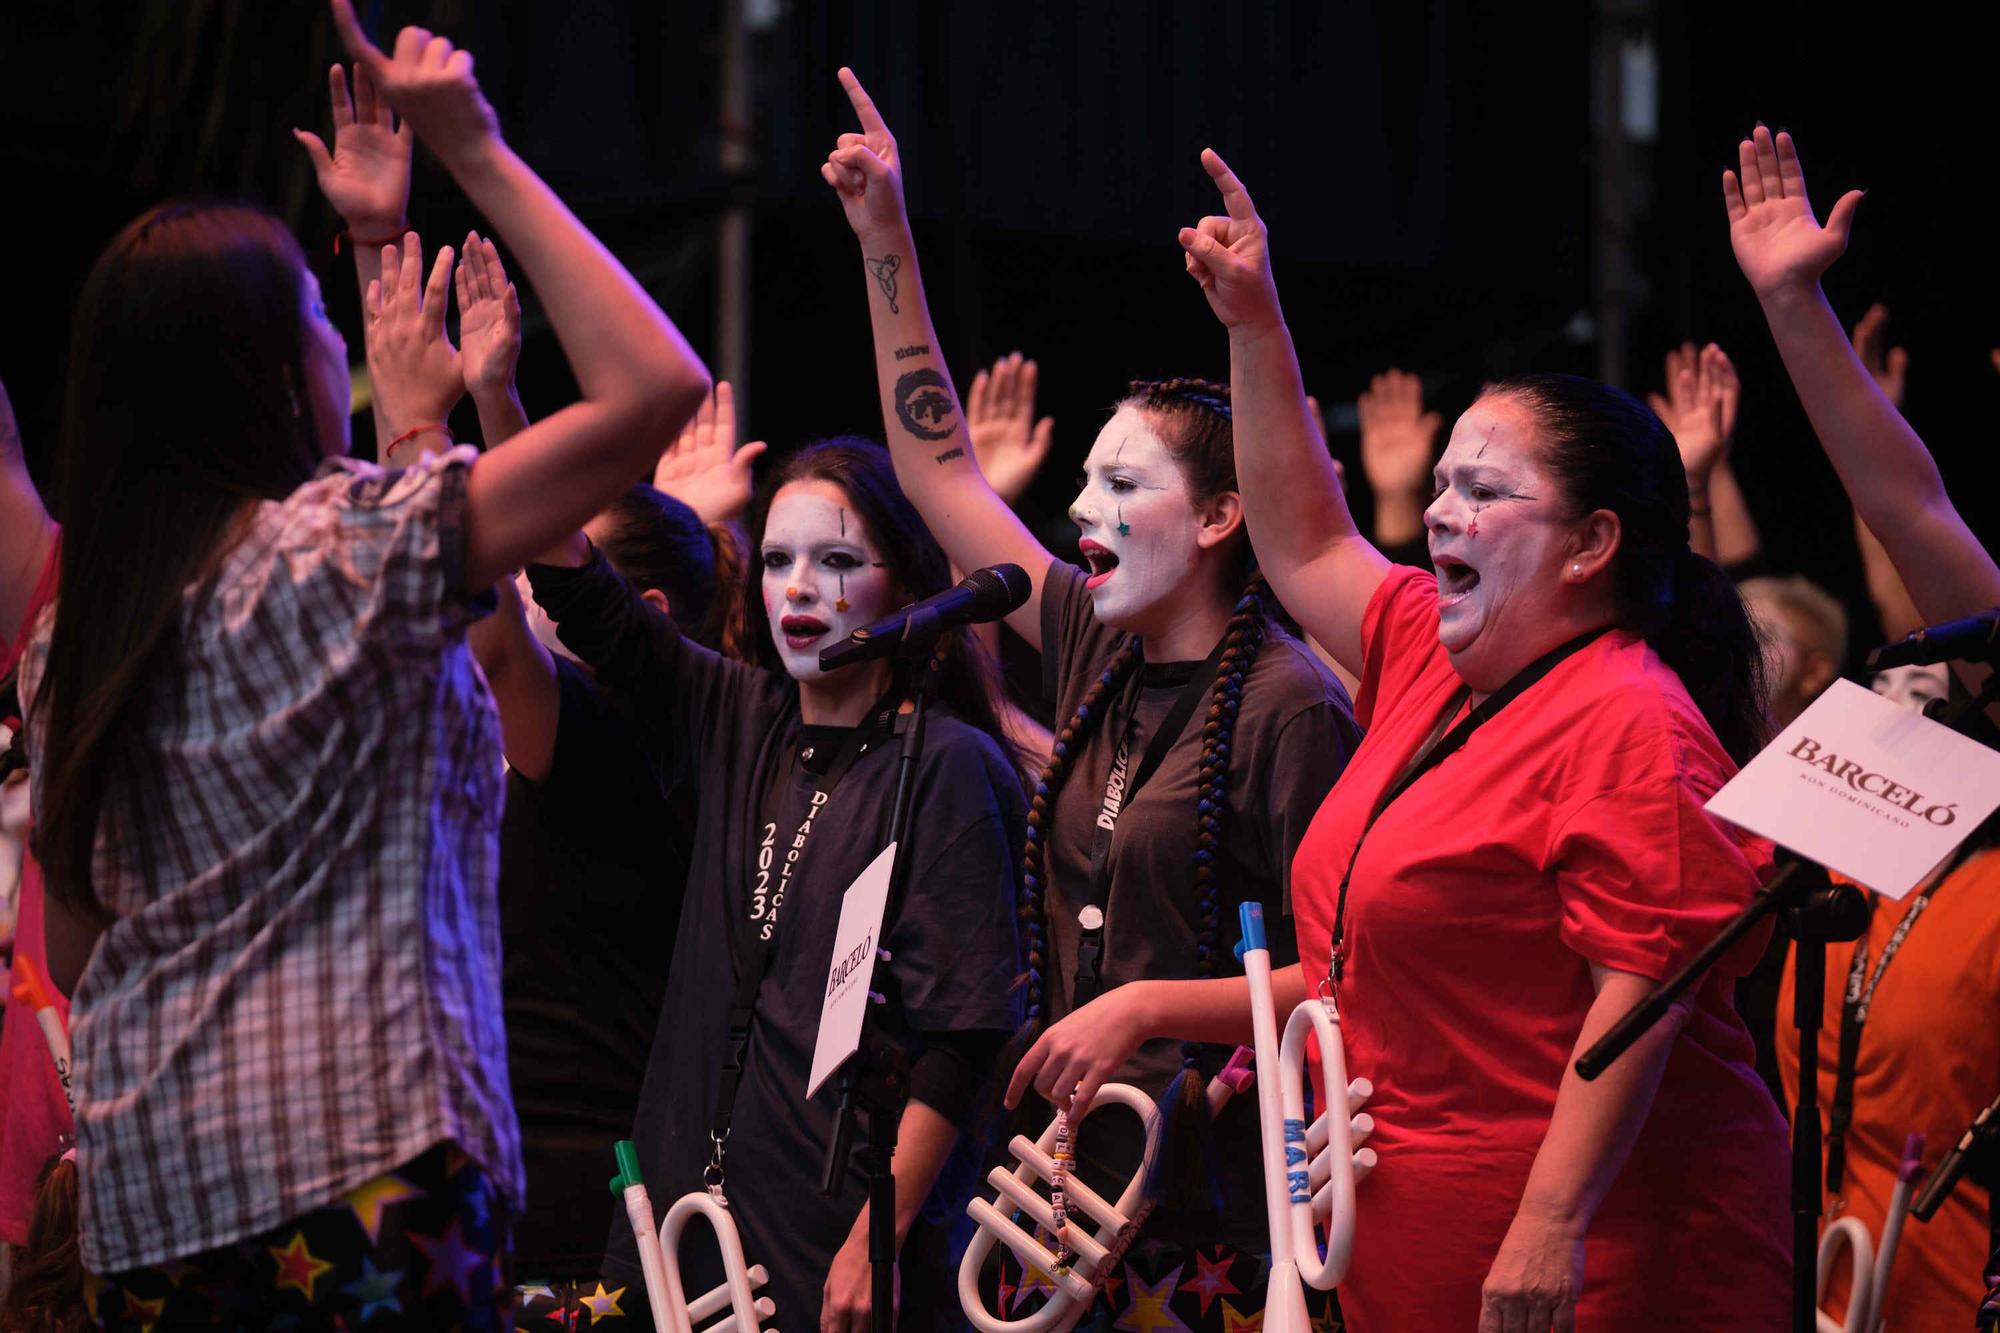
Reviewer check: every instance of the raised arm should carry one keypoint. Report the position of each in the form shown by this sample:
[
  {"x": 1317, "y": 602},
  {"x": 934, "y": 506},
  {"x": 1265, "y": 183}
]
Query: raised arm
[
  {"x": 1890, "y": 366},
  {"x": 1317, "y": 561},
  {"x": 1398, "y": 446},
  {"x": 366, "y": 179},
  {"x": 704, "y": 468},
  {"x": 489, "y": 336},
  {"x": 1888, "y": 473},
  {"x": 638, "y": 378},
  {"x": 921, "y": 420},
  {"x": 1699, "y": 408}
]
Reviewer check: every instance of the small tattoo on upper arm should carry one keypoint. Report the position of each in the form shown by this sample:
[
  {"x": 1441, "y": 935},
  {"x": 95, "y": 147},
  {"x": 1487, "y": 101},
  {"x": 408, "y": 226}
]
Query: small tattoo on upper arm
[
  {"x": 884, "y": 271},
  {"x": 915, "y": 349},
  {"x": 924, "y": 404},
  {"x": 950, "y": 454}
]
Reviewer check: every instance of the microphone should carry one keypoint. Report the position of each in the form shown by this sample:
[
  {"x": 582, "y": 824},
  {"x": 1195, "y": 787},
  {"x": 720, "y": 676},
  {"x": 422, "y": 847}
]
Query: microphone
[
  {"x": 1973, "y": 639},
  {"x": 1986, "y": 1126},
  {"x": 986, "y": 594}
]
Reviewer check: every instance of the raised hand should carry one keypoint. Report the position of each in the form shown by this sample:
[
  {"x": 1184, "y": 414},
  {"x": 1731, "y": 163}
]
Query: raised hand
[
  {"x": 1230, "y": 256},
  {"x": 413, "y": 366},
  {"x": 1699, "y": 407},
  {"x": 1009, "y": 444},
  {"x": 1889, "y": 365},
  {"x": 704, "y": 469},
  {"x": 867, "y": 173},
  {"x": 366, "y": 178},
  {"x": 1779, "y": 244},
  {"x": 489, "y": 320},
  {"x": 1397, "y": 435},
  {"x": 428, "y": 82}
]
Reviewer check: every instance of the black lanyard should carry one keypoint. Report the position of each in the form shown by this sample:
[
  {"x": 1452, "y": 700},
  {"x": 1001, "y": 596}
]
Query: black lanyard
[
  {"x": 1120, "y": 787},
  {"x": 775, "y": 866},
  {"x": 1436, "y": 754},
  {"x": 1854, "y": 1006}
]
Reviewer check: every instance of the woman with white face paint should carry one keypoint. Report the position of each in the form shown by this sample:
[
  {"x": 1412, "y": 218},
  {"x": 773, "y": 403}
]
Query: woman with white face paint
[
  {"x": 796, "y": 767},
  {"x": 1198, "y": 737},
  {"x": 1519, "y": 852}
]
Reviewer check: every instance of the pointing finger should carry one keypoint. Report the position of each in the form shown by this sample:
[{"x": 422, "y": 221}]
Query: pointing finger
[
  {"x": 864, "y": 106},
  {"x": 1235, "y": 199}
]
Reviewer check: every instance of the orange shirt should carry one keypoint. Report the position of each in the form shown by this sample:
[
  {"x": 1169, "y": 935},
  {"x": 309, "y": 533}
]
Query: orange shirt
[{"x": 1929, "y": 1061}]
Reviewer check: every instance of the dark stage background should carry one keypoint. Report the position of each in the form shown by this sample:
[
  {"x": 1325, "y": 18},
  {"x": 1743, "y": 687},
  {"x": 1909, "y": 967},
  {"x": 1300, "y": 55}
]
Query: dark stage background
[{"x": 1428, "y": 173}]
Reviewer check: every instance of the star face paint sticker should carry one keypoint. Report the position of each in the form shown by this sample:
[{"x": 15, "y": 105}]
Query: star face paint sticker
[
  {"x": 603, "y": 1305},
  {"x": 375, "y": 1290},
  {"x": 451, "y": 1262},
  {"x": 297, "y": 1266},
  {"x": 368, "y": 1202}
]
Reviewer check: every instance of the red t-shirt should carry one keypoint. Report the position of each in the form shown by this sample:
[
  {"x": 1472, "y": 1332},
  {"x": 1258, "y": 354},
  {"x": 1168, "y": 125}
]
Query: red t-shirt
[
  {"x": 1567, "y": 831},
  {"x": 36, "y": 1117}
]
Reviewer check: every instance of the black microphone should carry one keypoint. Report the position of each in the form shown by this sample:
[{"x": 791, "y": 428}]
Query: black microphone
[
  {"x": 1973, "y": 639},
  {"x": 986, "y": 594},
  {"x": 1985, "y": 1125}
]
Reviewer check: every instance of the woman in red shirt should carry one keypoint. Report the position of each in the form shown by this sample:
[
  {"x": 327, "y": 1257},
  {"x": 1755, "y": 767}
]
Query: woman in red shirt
[{"x": 1547, "y": 864}]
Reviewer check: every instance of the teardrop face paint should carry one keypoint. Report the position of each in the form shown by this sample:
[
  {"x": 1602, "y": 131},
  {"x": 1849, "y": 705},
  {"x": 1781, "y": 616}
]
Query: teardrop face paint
[
  {"x": 1136, "y": 521},
  {"x": 822, "y": 576}
]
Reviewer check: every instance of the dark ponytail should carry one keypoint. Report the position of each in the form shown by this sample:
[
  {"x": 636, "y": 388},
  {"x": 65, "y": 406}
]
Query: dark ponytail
[
  {"x": 658, "y": 542},
  {"x": 1608, "y": 451}
]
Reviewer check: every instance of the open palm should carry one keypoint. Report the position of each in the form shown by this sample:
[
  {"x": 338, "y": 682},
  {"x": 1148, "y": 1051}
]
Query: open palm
[
  {"x": 366, "y": 178},
  {"x": 1779, "y": 244}
]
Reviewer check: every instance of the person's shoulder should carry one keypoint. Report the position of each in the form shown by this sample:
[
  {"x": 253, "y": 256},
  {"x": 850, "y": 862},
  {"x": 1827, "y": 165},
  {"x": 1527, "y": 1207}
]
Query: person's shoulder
[
  {"x": 960, "y": 757},
  {"x": 1623, "y": 698},
  {"x": 1290, "y": 678},
  {"x": 355, "y": 484}
]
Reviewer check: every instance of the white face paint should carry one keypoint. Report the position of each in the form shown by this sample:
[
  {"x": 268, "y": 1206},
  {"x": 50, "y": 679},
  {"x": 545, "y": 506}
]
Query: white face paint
[
  {"x": 1912, "y": 686},
  {"x": 1495, "y": 540},
  {"x": 822, "y": 576},
  {"x": 1137, "y": 523}
]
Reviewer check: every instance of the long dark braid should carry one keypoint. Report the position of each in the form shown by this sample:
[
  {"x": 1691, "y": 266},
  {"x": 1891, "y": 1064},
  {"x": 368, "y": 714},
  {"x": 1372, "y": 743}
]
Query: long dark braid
[{"x": 1185, "y": 1165}]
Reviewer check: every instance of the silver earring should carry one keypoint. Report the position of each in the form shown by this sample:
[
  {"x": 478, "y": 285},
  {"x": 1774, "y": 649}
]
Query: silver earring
[{"x": 1576, "y": 569}]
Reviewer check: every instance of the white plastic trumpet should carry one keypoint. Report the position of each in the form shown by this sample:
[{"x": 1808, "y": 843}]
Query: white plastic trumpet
[
  {"x": 1868, "y": 1286},
  {"x": 1097, "y": 1253},
  {"x": 1309, "y": 1171},
  {"x": 659, "y": 1259}
]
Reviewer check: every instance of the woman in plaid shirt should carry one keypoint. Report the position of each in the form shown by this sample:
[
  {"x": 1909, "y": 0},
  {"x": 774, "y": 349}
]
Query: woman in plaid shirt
[{"x": 267, "y": 773}]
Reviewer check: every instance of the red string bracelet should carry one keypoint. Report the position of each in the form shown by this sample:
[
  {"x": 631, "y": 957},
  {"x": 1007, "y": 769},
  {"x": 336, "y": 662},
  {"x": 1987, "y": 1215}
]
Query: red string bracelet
[
  {"x": 412, "y": 434},
  {"x": 358, "y": 241}
]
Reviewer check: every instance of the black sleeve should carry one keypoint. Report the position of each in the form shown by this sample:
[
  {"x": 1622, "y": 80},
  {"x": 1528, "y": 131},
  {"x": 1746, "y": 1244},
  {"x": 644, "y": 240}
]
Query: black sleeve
[
  {"x": 671, "y": 687},
  {"x": 947, "y": 1077}
]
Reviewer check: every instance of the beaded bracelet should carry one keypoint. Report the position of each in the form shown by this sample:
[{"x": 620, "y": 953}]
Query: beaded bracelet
[{"x": 1063, "y": 1160}]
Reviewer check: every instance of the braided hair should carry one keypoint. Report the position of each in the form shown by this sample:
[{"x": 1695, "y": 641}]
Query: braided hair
[{"x": 1198, "y": 420}]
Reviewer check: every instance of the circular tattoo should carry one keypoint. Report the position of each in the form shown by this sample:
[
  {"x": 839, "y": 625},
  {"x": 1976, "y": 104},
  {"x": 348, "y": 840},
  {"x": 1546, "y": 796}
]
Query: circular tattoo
[{"x": 924, "y": 405}]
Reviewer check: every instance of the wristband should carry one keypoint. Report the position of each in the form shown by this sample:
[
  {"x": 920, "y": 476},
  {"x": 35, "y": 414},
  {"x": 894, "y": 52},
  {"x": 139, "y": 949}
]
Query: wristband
[{"x": 412, "y": 434}]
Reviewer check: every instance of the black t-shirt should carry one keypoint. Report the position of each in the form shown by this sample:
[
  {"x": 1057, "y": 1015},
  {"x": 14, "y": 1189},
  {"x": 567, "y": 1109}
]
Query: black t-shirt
[
  {"x": 952, "y": 938},
  {"x": 592, "y": 863},
  {"x": 1294, "y": 732}
]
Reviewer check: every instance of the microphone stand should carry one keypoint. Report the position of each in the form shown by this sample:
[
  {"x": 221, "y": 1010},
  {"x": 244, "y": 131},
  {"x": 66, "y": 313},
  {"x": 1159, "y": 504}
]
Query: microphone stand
[{"x": 875, "y": 1080}]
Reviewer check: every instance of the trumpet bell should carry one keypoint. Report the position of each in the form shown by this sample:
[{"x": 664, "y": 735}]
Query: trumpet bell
[{"x": 1097, "y": 1252}]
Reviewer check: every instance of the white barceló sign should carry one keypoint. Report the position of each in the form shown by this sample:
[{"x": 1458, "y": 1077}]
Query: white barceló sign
[
  {"x": 1867, "y": 787},
  {"x": 851, "y": 968}
]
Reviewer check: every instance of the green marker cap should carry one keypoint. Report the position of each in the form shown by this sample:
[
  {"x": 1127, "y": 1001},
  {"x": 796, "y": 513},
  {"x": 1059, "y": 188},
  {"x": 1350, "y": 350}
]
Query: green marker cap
[{"x": 628, "y": 1166}]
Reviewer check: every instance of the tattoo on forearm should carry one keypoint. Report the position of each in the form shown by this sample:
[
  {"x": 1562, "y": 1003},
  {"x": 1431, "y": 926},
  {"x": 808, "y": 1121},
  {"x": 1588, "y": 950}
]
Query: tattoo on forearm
[
  {"x": 924, "y": 404},
  {"x": 884, "y": 271},
  {"x": 950, "y": 454},
  {"x": 915, "y": 349}
]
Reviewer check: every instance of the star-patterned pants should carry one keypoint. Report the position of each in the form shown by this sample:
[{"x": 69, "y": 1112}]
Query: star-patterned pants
[
  {"x": 424, "y": 1246},
  {"x": 1164, "y": 1288}
]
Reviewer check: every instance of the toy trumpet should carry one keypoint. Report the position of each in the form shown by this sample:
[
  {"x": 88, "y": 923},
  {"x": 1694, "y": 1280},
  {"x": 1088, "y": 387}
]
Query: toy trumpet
[
  {"x": 1309, "y": 1171},
  {"x": 659, "y": 1258},
  {"x": 1868, "y": 1285},
  {"x": 1095, "y": 1255},
  {"x": 32, "y": 989}
]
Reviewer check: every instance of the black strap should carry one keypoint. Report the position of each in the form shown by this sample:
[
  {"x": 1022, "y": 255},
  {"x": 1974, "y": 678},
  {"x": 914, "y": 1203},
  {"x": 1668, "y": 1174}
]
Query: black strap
[
  {"x": 1426, "y": 760},
  {"x": 766, "y": 898},
  {"x": 1119, "y": 791},
  {"x": 1854, "y": 1005}
]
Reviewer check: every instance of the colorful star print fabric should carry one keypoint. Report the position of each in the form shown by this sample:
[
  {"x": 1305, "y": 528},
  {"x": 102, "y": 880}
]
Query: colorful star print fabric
[
  {"x": 1162, "y": 1288},
  {"x": 424, "y": 1246},
  {"x": 559, "y": 1307}
]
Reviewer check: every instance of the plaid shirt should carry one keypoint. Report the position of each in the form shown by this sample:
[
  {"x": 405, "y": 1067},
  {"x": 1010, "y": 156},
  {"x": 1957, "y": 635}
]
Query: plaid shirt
[{"x": 306, "y": 992}]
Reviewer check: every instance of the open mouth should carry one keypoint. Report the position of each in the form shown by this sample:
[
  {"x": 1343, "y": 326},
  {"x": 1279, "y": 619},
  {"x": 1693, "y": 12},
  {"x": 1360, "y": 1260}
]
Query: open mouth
[
  {"x": 1101, "y": 560},
  {"x": 1455, "y": 579},
  {"x": 800, "y": 631}
]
